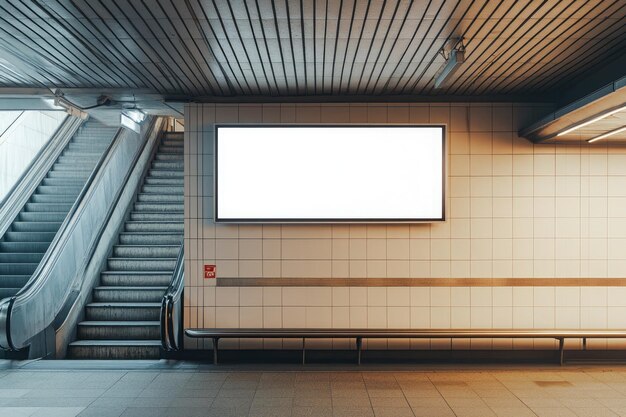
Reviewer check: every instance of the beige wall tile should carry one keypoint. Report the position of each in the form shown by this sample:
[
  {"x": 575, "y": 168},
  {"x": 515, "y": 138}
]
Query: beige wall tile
[
  {"x": 306, "y": 269},
  {"x": 398, "y": 296},
  {"x": 250, "y": 249},
  {"x": 306, "y": 249}
]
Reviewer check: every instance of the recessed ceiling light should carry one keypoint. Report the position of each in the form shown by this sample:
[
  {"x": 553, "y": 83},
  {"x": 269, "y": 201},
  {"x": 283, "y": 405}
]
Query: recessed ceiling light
[
  {"x": 588, "y": 122},
  {"x": 607, "y": 134}
]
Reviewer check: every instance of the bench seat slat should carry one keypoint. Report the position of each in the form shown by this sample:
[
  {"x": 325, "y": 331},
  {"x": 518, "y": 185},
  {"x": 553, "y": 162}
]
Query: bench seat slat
[{"x": 404, "y": 333}]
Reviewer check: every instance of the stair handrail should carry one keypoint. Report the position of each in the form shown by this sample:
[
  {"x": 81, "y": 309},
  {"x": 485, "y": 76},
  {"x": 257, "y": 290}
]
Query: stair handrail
[
  {"x": 39, "y": 278},
  {"x": 35, "y": 172},
  {"x": 171, "y": 317}
]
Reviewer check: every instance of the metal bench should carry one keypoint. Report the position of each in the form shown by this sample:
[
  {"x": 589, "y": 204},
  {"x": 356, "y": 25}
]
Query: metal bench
[{"x": 360, "y": 334}]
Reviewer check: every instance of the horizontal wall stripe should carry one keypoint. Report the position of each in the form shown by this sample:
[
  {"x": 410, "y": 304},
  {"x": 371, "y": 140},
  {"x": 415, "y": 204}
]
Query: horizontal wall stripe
[{"x": 421, "y": 282}]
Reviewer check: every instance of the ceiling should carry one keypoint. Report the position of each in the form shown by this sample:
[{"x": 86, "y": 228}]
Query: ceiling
[{"x": 210, "y": 49}]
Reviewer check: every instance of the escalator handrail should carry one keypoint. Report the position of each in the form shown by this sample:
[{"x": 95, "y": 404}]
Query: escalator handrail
[{"x": 171, "y": 306}]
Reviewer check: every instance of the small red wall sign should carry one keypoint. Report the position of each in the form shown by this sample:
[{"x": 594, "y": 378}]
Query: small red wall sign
[{"x": 209, "y": 271}]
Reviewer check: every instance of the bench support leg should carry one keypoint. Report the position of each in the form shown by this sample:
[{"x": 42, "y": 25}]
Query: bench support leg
[
  {"x": 561, "y": 349},
  {"x": 303, "y": 351},
  {"x": 215, "y": 343},
  {"x": 359, "y": 344}
]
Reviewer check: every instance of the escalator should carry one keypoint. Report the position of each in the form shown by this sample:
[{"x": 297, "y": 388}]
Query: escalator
[
  {"x": 121, "y": 321},
  {"x": 27, "y": 239}
]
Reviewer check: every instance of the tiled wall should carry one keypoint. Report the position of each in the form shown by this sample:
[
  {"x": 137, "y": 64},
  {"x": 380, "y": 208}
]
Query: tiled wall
[{"x": 514, "y": 210}]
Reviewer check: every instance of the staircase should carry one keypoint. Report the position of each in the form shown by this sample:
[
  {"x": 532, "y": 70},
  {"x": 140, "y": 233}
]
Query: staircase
[
  {"x": 26, "y": 241},
  {"x": 122, "y": 321}
]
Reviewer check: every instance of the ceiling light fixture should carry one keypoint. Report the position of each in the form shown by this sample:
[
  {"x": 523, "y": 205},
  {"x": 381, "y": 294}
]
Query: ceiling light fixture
[
  {"x": 588, "y": 122},
  {"x": 607, "y": 134},
  {"x": 454, "y": 56}
]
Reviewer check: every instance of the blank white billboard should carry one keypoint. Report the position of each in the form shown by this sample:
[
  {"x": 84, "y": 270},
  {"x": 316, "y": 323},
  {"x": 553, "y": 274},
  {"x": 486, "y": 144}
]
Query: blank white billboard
[{"x": 321, "y": 173}]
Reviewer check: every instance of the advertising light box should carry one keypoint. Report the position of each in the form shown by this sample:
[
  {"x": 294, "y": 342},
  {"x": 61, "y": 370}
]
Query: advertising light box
[{"x": 327, "y": 174}]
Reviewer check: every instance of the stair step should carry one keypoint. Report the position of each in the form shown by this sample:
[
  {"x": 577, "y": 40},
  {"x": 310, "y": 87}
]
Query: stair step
[
  {"x": 93, "y": 140},
  {"x": 73, "y": 175},
  {"x": 173, "y": 141},
  {"x": 163, "y": 189},
  {"x": 127, "y": 294},
  {"x": 150, "y": 238},
  {"x": 49, "y": 207},
  {"x": 28, "y": 216},
  {"x": 141, "y": 264},
  {"x": 169, "y": 156},
  {"x": 165, "y": 181},
  {"x": 115, "y": 349},
  {"x": 35, "y": 226},
  {"x": 21, "y": 257},
  {"x": 122, "y": 311},
  {"x": 55, "y": 189},
  {"x": 64, "y": 182},
  {"x": 168, "y": 149},
  {"x": 99, "y": 140},
  {"x": 165, "y": 173},
  {"x": 83, "y": 154},
  {"x": 84, "y": 149},
  {"x": 24, "y": 247},
  {"x": 177, "y": 165},
  {"x": 17, "y": 268},
  {"x": 136, "y": 278},
  {"x": 160, "y": 198},
  {"x": 158, "y": 207},
  {"x": 133, "y": 226},
  {"x": 14, "y": 281},
  {"x": 146, "y": 251},
  {"x": 119, "y": 330},
  {"x": 145, "y": 216},
  {"x": 79, "y": 159},
  {"x": 73, "y": 167},
  {"x": 50, "y": 198},
  {"x": 29, "y": 236}
]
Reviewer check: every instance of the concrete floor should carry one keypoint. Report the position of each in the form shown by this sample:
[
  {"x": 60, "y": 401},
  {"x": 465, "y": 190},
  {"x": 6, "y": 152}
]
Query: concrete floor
[{"x": 162, "y": 388}]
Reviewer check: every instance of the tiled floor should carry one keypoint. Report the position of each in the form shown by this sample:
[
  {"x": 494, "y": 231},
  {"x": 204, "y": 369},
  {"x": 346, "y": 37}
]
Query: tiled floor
[{"x": 155, "y": 391}]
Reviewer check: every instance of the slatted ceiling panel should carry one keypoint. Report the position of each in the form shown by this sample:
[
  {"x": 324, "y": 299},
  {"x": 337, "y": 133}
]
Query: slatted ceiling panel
[
  {"x": 483, "y": 52},
  {"x": 315, "y": 47},
  {"x": 539, "y": 31},
  {"x": 550, "y": 59},
  {"x": 553, "y": 73},
  {"x": 467, "y": 78}
]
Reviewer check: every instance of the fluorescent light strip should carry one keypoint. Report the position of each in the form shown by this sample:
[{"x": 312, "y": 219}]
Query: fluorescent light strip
[
  {"x": 571, "y": 129},
  {"x": 607, "y": 134}
]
